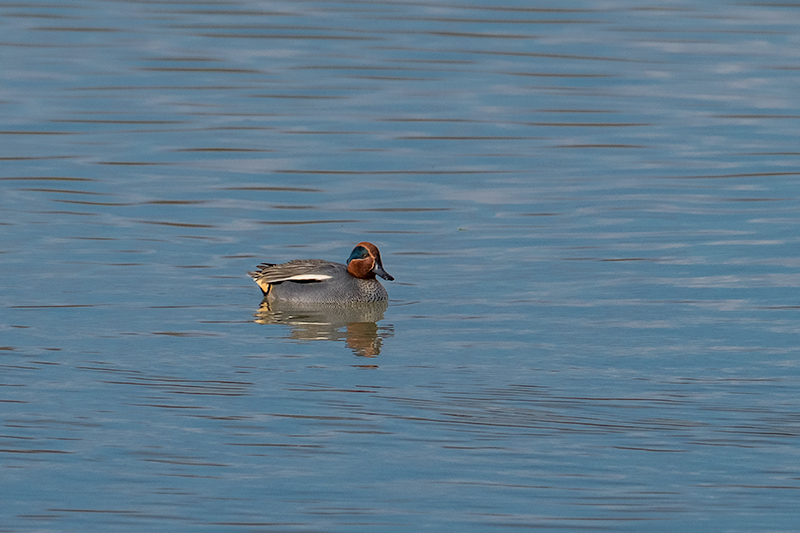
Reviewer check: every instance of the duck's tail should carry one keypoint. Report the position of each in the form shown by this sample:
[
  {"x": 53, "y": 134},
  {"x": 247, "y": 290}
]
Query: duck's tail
[{"x": 257, "y": 277}]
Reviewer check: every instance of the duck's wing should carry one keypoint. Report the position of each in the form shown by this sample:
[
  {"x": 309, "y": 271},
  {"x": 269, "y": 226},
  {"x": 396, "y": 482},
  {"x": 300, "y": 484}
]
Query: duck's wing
[{"x": 303, "y": 270}]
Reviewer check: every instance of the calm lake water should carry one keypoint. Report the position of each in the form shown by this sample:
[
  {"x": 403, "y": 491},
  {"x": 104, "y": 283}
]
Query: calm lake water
[{"x": 591, "y": 209}]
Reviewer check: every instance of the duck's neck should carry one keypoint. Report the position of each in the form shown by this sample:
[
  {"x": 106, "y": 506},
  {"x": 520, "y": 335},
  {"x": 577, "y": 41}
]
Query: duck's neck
[{"x": 361, "y": 268}]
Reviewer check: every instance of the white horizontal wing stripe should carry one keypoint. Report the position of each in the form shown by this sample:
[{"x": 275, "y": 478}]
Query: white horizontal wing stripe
[{"x": 302, "y": 277}]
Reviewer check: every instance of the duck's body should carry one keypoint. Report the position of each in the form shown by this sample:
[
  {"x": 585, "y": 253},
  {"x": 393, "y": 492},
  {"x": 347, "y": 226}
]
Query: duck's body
[{"x": 315, "y": 281}]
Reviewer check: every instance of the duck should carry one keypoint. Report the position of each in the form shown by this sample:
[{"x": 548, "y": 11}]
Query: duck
[{"x": 316, "y": 281}]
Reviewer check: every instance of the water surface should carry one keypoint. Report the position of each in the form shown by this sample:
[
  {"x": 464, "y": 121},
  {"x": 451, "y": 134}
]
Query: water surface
[{"x": 590, "y": 210}]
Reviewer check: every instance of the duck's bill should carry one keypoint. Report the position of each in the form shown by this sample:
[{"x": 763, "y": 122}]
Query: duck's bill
[{"x": 379, "y": 271}]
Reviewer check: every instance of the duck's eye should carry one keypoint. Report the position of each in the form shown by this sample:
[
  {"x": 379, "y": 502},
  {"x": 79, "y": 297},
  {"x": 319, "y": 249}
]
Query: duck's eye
[{"x": 359, "y": 252}]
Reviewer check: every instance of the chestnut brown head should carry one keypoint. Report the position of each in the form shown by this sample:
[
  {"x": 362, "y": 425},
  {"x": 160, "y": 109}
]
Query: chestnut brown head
[{"x": 365, "y": 262}]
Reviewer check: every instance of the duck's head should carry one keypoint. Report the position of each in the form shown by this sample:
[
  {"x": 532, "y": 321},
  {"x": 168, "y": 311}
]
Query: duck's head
[{"x": 365, "y": 262}]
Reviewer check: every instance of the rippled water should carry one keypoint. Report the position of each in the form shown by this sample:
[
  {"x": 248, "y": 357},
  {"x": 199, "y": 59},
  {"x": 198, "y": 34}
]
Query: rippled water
[{"x": 590, "y": 209}]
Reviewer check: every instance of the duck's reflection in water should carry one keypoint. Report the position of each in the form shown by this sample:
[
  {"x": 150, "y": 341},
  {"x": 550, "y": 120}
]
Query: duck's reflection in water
[{"x": 356, "y": 324}]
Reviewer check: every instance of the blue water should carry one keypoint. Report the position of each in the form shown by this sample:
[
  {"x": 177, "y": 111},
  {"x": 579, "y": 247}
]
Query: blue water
[{"x": 590, "y": 211}]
